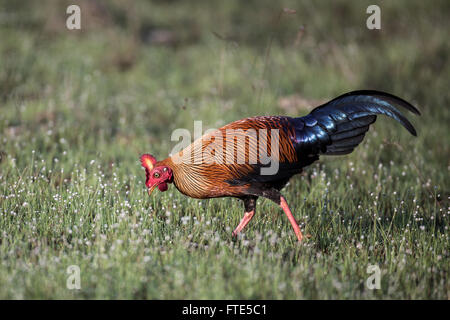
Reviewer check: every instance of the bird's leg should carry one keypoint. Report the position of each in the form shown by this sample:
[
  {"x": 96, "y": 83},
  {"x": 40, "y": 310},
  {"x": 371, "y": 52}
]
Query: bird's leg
[
  {"x": 275, "y": 196},
  {"x": 285, "y": 207},
  {"x": 249, "y": 204}
]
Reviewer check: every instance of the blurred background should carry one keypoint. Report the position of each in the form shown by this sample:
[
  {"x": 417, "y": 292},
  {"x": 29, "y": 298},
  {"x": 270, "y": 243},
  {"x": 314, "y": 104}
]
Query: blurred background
[
  {"x": 136, "y": 71},
  {"x": 78, "y": 107}
]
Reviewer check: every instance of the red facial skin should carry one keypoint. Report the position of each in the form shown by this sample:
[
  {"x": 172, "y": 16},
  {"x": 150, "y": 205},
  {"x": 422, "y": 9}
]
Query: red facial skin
[
  {"x": 159, "y": 176},
  {"x": 155, "y": 176}
]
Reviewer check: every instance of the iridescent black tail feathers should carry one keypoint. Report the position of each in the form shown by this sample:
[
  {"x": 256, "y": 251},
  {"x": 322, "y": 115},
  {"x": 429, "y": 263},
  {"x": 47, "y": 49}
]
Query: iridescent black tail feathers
[{"x": 338, "y": 126}]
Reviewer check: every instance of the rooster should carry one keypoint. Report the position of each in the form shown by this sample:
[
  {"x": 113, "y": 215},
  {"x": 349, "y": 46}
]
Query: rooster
[{"x": 334, "y": 128}]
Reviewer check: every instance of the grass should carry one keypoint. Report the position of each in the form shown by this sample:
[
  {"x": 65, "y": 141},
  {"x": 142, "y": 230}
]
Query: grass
[{"x": 78, "y": 108}]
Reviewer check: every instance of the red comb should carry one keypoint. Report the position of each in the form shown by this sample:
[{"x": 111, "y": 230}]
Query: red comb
[{"x": 148, "y": 161}]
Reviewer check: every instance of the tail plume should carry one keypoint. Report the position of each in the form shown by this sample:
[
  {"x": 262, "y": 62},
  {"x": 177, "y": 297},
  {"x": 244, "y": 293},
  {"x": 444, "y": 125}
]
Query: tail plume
[{"x": 338, "y": 126}]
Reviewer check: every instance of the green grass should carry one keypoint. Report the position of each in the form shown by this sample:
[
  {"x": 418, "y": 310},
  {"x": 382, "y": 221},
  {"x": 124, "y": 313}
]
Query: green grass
[{"x": 78, "y": 108}]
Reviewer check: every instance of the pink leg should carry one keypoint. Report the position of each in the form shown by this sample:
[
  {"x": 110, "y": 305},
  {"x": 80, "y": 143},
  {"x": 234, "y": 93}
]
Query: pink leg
[
  {"x": 285, "y": 207},
  {"x": 245, "y": 220},
  {"x": 249, "y": 205}
]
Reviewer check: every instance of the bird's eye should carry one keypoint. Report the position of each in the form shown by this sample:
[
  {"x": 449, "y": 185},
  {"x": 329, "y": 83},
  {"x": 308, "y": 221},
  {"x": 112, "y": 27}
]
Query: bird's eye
[
  {"x": 165, "y": 169},
  {"x": 156, "y": 175}
]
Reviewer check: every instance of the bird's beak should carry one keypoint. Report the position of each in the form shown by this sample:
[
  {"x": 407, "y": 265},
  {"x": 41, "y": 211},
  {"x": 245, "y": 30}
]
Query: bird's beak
[{"x": 150, "y": 190}]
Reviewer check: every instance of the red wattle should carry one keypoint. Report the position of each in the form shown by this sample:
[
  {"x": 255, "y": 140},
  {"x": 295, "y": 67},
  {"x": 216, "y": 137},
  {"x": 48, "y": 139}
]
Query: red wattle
[{"x": 163, "y": 186}]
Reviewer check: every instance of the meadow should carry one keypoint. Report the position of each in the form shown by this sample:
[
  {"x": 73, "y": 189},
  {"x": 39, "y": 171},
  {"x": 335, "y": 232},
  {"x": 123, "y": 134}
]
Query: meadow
[{"x": 78, "y": 108}]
